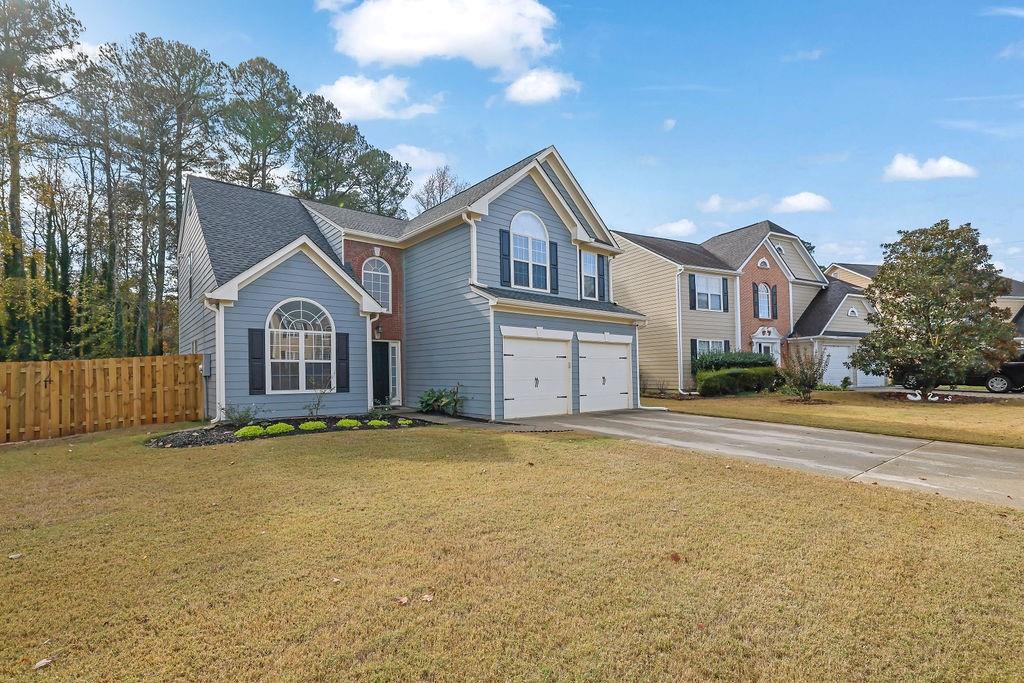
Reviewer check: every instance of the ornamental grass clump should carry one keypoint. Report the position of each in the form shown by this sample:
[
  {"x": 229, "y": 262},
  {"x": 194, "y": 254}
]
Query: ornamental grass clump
[
  {"x": 313, "y": 426},
  {"x": 280, "y": 428},
  {"x": 377, "y": 424},
  {"x": 250, "y": 432},
  {"x": 347, "y": 423}
]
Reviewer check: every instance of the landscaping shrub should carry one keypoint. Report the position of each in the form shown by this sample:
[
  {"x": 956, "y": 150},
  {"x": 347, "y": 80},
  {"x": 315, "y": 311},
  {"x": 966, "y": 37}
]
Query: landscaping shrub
[
  {"x": 377, "y": 424},
  {"x": 250, "y": 432},
  {"x": 380, "y": 411},
  {"x": 829, "y": 387},
  {"x": 280, "y": 428},
  {"x": 442, "y": 401},
  {"x": 313, "y": 425},
  {"x": 732, "y": 359},
  {"x": 403, "y": 422},
  {"x": 241, "y": 415},
  {"x": 737, "y": 381},
  {"x": 804, "y": 370},
  {"x": 347, "y": 423}
]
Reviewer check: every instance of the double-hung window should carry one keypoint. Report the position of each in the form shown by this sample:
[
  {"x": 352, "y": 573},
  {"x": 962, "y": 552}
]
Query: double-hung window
[
  {"x": 709, "y": 292},
  {"x": 529, "y": 252},
  {"x": 300, "y": 341},
  {"x": 589, "y": 275},
  {"x": 710, "y": 346}
]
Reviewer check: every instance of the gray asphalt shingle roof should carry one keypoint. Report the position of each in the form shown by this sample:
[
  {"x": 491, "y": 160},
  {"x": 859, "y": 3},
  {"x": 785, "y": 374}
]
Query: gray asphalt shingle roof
[
  {"x": 677, "y": 251},
  {"x": 821, "y": 308},
  {"x": 243, "y": 226},
  {"x": 734, "y": 247},
  {"x": 534, "y": 297},
  {"x": 870, "y": 270}
]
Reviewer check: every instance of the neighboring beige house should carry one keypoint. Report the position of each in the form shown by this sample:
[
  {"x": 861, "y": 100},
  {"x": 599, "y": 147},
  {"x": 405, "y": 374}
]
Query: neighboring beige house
[
  {"x": 755, "y": 288},
  {"x": 861, "y": 274}
]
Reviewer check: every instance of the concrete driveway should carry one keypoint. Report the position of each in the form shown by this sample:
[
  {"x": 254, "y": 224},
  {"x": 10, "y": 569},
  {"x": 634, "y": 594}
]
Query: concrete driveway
[{"x": 982, "y": 473}]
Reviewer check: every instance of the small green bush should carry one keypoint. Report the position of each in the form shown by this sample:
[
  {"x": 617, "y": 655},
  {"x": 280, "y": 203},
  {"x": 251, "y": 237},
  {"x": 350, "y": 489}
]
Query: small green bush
[
  {"x": 829, "y": 387},
  {"x": 445, "y": 401},
  {"x": 347, "y": 423},
  {"x": 250, "y": 432},
  {"x": 280, "y": 428},
  {"x": 737, "y": 381},
  {"x": 313, "y": 425},
  {"x": 377, "y": 424},
  {"x": 732, "y": 359},
  {"x": 403, "y": 422}
]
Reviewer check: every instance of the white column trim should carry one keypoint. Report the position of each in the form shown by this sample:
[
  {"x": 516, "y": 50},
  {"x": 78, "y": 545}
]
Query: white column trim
[
  {"x": 369, "y": 361},
  {"x": 490, "y": 330}
]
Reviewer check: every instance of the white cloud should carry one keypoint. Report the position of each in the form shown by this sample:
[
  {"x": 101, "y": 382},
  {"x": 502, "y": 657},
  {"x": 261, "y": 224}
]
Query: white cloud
[
  {"x": 676, "y": 229},
  {"x": 804, "y": 56},
  {"x": 1012, "y": 50},
  {"x": 502, "y": 34},
  {"x": 844, "y": 251},
  {"x": 419, "y": 158},
  {"x": 540, "y": 85},
  {"x": 89, "y": 50},
  {"x": 331, "y": 5},
  {"x": 996, "y": 131},
  {"x": 668, "y": 124},
  {"x": 716, "y": 203},
  {"x": 907, "y": 167},
  {"x": 361, "y": 98},
  {"x": 1017, "y": 12},
  {"x": 802, "y": 202}
]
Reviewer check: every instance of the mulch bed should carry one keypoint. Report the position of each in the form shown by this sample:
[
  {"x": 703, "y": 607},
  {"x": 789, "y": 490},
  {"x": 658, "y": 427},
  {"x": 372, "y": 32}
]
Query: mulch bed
[
  {"x": 812, "y": 402},
  {"x": 223, "y": 433}
]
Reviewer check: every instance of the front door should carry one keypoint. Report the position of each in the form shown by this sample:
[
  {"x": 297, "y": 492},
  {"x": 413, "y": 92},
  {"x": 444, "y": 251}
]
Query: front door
[{"x": 381, "y": 373}]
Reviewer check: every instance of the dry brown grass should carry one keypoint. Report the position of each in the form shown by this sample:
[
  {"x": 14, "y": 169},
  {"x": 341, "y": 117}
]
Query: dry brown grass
[
  {"x": 217, "y": 564},
  {"x": 989, "y": 423}
]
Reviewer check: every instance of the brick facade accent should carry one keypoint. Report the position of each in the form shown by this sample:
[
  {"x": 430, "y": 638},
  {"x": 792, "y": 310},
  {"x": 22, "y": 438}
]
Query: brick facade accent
[
  {"x": 390, "y": 323},
  {"x": 773, "y": 275}
]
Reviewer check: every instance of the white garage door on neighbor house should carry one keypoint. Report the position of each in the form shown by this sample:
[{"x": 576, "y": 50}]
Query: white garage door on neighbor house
[{"x": 836, "y": 370}]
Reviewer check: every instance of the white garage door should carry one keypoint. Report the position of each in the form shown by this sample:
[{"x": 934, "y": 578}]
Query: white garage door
[
  {"x": 605, "y": 374},
  {"x": 866, "y": 380},
  {"x": 836, "y": 371},
  {"x": 536, "y": 375}
]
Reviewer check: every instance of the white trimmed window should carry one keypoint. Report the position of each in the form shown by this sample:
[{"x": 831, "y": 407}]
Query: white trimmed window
[
  {"x": 529, "y": 252},
  {"x": 710, "y": 346},
  {"x": 300, "y": 343},
  {"x": 377, "y": 281},
  {"x": 853, "y": 313},
  {"x": 589, "y": 275},
  {"x": 764, "y": 301},
  {"x": 709, "y": 292}
]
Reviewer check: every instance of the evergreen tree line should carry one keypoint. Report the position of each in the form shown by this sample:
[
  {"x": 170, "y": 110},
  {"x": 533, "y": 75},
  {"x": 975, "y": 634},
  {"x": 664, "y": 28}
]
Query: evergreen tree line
[{"x": 92, "y": 171}]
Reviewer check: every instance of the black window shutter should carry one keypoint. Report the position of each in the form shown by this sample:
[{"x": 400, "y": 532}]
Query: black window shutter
[
  {"x": 693, "y": 354},
  {"x": 757, "y": 312},
  {"x": 505, "y": 250},
  {"x": 775, "y": 302},
  {"x": 725, "y": 295},
  {"x": 257, "y": 361},
  {"x": 693, "y": 291},
  {"x": 341, "y": 362},
  {"x": 727, "y": 346},
  {"x": 602, "y": 277},
  {"x": 553, "y": 255}
]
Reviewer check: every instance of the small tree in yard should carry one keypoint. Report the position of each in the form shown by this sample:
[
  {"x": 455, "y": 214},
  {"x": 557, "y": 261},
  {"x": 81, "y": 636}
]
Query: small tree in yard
[
  {"x": 933, "y": 308},
  {"x": 803, "y": 370}
]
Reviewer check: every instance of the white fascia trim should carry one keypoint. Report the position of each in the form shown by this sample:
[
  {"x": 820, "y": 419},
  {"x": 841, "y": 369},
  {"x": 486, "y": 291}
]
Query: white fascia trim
[
  {"x": 838, "y": 308},
  {"x": 564, "y": 173},
  {"x": 604, "y": 337},
  {"x": 535, "y": 333},
  {"x": 804, "y": 254},
  {"x": 220, "y": 397},
  {"x": 839, "y": 267},
  {"x": 775, "y": 255},
  {"x": 229, "y": 290},
  {"x": 503, "y": 304}
]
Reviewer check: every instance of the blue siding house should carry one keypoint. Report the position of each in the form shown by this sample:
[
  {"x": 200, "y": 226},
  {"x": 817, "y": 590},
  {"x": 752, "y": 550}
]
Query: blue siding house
[{"x": 503, "y": 290}]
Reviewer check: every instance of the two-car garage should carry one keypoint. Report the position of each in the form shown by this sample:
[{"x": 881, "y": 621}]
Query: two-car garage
[{"x": 558, "y": 372}]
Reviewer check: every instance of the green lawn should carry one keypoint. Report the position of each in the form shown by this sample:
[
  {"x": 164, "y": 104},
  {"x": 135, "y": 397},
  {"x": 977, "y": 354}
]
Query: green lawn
[
  {"x": 548, "y": 556},
  {"x": 989, "y": 423}
]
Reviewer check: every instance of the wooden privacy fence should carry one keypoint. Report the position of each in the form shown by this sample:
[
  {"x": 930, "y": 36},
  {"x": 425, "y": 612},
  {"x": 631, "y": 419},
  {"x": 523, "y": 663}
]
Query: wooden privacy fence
[{"x": 45, "y": 399}]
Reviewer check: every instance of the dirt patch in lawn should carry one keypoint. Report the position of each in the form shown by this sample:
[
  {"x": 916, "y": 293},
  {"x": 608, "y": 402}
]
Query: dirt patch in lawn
[{"x": 216, "y": 434}]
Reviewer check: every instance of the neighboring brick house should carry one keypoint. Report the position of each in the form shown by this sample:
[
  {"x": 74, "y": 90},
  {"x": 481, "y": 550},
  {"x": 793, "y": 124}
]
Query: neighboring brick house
[{"x": 757, "y": 289}]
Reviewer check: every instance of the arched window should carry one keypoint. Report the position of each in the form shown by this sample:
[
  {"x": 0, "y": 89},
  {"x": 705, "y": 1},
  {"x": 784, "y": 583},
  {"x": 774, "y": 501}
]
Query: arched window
[
  {"x": 764, "y": 301},
  {"x": 300, "y": 347},
  {"x": 529, "y": 251},
  {"x": 853, "y": 313},
  {"x": 377, "y": 281}
]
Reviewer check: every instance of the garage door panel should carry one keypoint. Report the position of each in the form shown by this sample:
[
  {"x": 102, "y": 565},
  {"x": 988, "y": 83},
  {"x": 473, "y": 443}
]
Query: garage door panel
[
  {"x": 605, "y": 374},
  {"x": 836, "y": 370},
  {"x": 536, "y": 377}
]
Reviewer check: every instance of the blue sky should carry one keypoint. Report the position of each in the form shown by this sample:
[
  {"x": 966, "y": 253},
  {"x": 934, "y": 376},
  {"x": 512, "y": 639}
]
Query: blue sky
[{"x": 843, "y": 123}]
